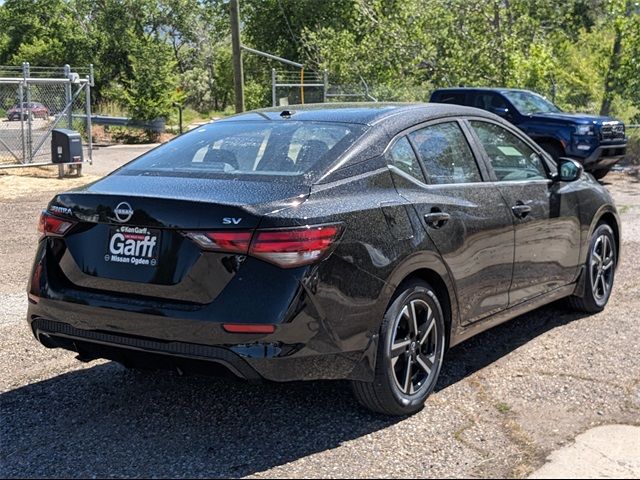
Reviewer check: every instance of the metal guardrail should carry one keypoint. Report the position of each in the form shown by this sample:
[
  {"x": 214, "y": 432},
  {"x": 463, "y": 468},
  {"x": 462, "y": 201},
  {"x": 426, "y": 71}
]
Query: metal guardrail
[{"x": 158, "y": 125}]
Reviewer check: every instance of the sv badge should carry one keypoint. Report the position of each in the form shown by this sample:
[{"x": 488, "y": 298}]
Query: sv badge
[{"x": 231, "y": 221}]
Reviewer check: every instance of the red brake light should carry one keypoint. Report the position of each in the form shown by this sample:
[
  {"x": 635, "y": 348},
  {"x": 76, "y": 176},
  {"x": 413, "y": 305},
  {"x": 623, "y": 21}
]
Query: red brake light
[
  {"x": 50, "y": 226},
  {"x": 232, "y": 242},
  {"x": 287, "y": 247},
  {"x": 290, "y": 248}
]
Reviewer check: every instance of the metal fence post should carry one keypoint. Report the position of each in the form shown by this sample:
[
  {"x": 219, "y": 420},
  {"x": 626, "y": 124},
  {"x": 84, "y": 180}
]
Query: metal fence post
[
  {"x": 87, "y": 111},
  {"x": 29, "y": 142},
  {"x": 23, "y": 138},
  {"x": 325, "y": 78},
  {"x": 273, "y": 87},
  {"x": 68, "y": 96}
]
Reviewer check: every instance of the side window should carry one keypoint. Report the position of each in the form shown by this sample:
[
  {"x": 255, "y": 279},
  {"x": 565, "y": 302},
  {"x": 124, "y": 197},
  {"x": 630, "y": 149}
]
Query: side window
[
  {"x": 489, "y": 101},
  {"x": 446, "y": 154},
  {"x": 403, "y": 157},
  {"x": 511, "y": 158},
  {"x": 456, "y": 98}
]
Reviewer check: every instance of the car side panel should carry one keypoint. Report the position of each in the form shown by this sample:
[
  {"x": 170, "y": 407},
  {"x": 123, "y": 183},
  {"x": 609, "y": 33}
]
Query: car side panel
[{"x": 547, "y": 239}]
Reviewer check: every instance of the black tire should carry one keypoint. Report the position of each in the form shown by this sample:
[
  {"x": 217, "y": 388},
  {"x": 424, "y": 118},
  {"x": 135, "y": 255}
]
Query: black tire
[
  {"x": 599, "y": 272},
  {"x": 600, "y": 173},
  {"x": 421, "y": 357},
  {"x": 552, "y": 149}
]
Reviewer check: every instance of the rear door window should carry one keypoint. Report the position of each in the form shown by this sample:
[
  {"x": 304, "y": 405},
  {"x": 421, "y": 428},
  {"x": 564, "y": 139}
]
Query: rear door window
[
  {"x": 489, "y": 101},
  {"x": 404, "y": 158},
  {"x": 445, "y": 153}
]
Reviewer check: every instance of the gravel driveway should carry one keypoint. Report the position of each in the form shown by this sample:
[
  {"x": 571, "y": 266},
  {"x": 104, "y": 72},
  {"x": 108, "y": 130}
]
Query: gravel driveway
[{"x": 505, "y": 399}]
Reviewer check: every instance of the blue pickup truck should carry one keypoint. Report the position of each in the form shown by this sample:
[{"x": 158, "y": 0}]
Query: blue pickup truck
[{"x": 597, "y": 142}]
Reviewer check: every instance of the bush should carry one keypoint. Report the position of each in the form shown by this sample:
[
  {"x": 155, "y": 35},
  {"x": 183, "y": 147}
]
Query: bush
[{"x": 633, "y": 147}]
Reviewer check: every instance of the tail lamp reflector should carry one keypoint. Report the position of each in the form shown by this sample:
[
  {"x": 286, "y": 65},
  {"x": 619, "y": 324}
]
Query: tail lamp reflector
[
  {"x": 287, "y": 248},
  {"x": 248, "y": 328},
  {"x": 50, "y": 226}
]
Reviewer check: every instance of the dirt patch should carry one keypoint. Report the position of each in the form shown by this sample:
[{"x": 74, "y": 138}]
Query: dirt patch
[{"x": 21, "y": 182}]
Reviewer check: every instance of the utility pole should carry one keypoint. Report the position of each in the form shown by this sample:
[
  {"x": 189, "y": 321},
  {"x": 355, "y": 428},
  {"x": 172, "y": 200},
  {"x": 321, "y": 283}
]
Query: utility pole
[{"x": 238, "y": 75}]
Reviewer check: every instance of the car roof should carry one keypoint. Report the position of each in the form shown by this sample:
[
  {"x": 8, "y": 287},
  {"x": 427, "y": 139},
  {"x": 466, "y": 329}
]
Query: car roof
[
  {"x": 481, "y": 89},
  {"x": 369, "y": 113}
]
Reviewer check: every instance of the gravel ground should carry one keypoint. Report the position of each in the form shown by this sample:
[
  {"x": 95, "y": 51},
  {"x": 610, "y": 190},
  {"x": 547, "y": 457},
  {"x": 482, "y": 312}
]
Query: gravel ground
[{"x": 506, "y": 399}]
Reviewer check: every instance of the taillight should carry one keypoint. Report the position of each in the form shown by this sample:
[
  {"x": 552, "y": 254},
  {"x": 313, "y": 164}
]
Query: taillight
[
  {"x": 232, "y": 242},
  {"x": 50, "y": 226},
  {"x": 286, "y": 247},
  {"x": 294, "y": 247}
]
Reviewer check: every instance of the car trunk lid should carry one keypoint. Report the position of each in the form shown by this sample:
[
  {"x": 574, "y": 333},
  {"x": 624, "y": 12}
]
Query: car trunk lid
[{"x": 133, "y": 239}]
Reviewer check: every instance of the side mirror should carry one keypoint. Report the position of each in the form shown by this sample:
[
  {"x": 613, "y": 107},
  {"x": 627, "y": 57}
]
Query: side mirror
[
  {"x": 500, "y": 111},
  {"x": 569, "y": 170}
]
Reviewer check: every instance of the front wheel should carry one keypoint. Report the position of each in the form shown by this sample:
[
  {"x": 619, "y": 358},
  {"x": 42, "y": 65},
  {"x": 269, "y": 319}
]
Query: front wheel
[
  {"x": 599, "y": 272},
  {"x": 410, "y": 351},
  {"x": 600, "y": 173}
]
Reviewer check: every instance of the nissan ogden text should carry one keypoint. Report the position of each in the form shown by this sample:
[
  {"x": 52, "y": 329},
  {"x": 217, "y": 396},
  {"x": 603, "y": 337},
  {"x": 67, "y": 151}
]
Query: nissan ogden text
[{"x": 340, "y": 241}]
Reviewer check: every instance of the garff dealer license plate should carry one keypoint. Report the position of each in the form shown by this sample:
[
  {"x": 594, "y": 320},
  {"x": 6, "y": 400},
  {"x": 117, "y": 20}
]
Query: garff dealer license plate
[{"x": 133, "y": 246}]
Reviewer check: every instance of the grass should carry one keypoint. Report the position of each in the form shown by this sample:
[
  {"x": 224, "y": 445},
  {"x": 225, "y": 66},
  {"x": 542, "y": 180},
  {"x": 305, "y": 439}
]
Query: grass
[{"x": 503, "y": 407}]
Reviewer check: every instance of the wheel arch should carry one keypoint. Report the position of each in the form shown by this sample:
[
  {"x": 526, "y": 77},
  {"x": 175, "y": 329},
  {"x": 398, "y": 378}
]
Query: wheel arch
[
  {"x": 542, "y": 141},
  {"x": 430, "y": 268},
  {"x": 442, "y": 292}
]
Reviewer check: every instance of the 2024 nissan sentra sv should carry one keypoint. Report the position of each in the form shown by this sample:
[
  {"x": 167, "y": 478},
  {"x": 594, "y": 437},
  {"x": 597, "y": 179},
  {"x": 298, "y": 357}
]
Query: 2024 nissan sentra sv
[{"x": 335, "y": 242}]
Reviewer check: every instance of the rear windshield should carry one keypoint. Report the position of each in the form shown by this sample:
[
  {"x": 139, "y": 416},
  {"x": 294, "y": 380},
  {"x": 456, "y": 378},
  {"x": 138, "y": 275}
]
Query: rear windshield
[{"x": 261, "y": 148}]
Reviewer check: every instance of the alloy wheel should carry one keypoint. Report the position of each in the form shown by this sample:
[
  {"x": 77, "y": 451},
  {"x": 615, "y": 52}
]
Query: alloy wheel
[
  {"x": 414, "y": 346},
  {"x": 602, "y": 263}
]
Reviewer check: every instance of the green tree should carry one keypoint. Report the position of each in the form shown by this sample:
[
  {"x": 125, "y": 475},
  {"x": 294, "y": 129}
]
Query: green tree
[{"x": 152, "y": 88}]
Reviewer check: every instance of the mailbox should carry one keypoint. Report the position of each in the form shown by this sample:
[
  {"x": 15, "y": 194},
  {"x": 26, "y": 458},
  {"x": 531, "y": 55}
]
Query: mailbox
[{"x": 66, "y": 146}]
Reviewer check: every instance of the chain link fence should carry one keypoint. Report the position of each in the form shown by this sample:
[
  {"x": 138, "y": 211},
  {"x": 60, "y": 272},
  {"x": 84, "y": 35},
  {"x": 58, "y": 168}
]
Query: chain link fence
[
  {"x": 33, "y": 102},
  {"x": 289, "y": 87}
]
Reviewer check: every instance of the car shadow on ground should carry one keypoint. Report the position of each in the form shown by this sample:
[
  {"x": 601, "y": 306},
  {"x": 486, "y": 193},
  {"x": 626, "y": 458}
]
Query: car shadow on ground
[
  {"x": 484, "y": 349},
  {"x": 107, "y": 421}
]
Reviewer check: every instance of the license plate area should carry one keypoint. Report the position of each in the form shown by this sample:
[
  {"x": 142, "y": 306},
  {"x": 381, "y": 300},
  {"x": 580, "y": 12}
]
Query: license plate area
[{"x": 135, "y": 246}]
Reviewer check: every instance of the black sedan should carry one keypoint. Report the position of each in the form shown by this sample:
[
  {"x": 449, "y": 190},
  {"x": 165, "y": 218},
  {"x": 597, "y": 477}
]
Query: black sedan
[{"x": 332, "y": 242}]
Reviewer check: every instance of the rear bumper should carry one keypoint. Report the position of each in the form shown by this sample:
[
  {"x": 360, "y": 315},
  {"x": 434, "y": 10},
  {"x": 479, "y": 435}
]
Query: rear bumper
[
  {"x": 91, "y": 345},
  {"x": 320, "y": 333},
  {"x": 290, "y": 354}
]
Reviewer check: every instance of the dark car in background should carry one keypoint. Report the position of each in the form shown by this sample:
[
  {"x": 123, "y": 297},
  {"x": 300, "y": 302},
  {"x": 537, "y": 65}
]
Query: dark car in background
[
  {"x": 33, "y": 110},
  {"x": 353, "y": 242},
  {"x": 595, "y": 141}
]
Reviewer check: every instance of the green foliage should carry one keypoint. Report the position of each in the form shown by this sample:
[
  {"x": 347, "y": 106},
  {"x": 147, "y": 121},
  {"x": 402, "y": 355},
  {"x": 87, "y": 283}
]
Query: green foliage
[
  {"x": 152, "y": 89},
  {"x": 583, "y": 54}
]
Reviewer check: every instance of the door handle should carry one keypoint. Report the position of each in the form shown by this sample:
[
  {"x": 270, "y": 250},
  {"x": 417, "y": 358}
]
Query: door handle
[
  {"x": 521, "y": 210},
  {"x": 436, "y": 219}
]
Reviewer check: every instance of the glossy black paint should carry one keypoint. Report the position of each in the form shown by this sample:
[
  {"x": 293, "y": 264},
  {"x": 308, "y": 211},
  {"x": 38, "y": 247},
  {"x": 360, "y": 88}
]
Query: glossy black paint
[{"x": 487, "y": 264}]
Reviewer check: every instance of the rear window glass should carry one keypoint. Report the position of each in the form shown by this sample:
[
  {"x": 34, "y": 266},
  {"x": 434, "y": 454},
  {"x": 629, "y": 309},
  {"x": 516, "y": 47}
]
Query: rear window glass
[{"x": 284, "y": 148}]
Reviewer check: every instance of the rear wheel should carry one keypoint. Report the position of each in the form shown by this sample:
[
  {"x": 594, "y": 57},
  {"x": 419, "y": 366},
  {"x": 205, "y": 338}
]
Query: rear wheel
[
  {"x": 410, "y": 351},
  {"x": 599, "y": 272}
]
